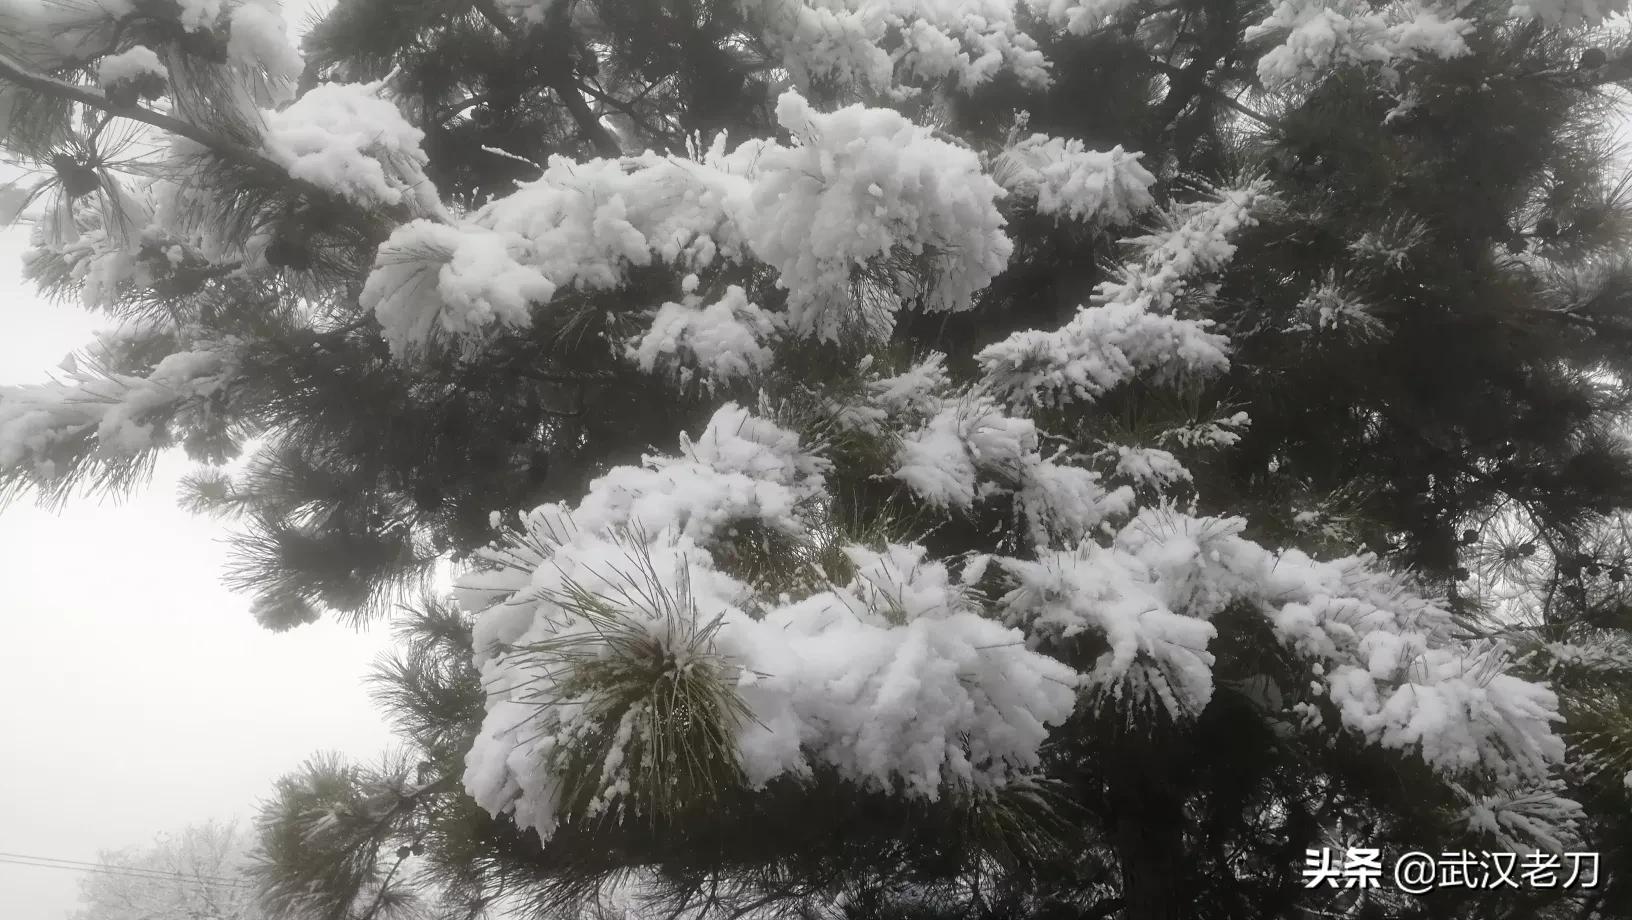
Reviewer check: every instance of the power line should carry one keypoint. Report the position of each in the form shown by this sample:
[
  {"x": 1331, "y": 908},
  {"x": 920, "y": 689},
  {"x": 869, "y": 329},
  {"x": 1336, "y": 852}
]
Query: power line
[
  {"x": 197, "y": 883},
  {"x": 178, "y": 879},
  {"x": 132, "y": 872},
  {"x": 122, "y": 868}
]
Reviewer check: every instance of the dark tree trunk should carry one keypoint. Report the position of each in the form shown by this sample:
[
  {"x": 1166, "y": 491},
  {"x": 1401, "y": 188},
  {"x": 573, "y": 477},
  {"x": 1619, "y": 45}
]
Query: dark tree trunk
[
  {"x": 1152, "y": 853},
  {"x": 1150, "y": 839}
]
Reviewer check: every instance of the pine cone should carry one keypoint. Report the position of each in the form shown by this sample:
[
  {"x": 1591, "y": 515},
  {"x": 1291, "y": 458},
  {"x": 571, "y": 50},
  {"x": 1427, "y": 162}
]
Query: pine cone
[
  {"x": 284, "y": 252},
  {"x": 78, "y": 179}
]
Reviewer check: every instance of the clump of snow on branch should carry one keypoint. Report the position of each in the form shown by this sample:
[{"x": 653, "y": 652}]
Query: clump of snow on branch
[
  {"x": 1389, "y": 663},
  {"x": 833, "y": 44},
  {"x": 1151, "y": 467},
  {"x": 864, "y": 213},
  {"x": 894, "y": 678},
  {"x": 900, "y": 682},
  {"x": 346, "y": 139},
  {"x": 1610, "y": 655},
  {"x": 1396, "y": 675},
  {"x": 1525, "y": 819},
  {"x": 130, "y": 66},
  {"x": 580, "y": 225},
  {"x": 861, "y": 186},
  {"x": 432, "y": 280},
  {"x": 1194, "y": 240},
  {"x": 196, "y": 15},
  {"x": 262, "y": 62},
  {"x": 726, "y": 340},
  {"x": 1129, "y": 329},
  {"x": 1103, "y": 347},
  {"x": 1568, "y": 14},
  {"x": 1321, "y": 36},
  {"x": 258, "y": 40},
  {"x": 897, "y": 680},
  {"x": 1221, "y": 432},
  {"x": 954, "y": 446},
  {"x": 1079, "y": 17},
  {"x": 896, "y": 47},
  {"x": 98, "y": 240},
  {"x": 590, "y": 222},
  {"x": 917, "y": 391},
  {"x": 1154, "y": 655},
  {"x": 741, "y": 469},
  {"x": 532, "y": 11},
  {"x": 970, "y": 448},
  {"x": 1330, "y": 308},
  {"x": 1069, "y": 180},
  {"x": 971, "y": 41}
]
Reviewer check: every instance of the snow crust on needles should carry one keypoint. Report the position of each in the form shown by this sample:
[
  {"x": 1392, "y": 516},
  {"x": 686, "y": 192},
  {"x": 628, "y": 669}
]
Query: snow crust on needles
[{"x": 910, "y": 679}]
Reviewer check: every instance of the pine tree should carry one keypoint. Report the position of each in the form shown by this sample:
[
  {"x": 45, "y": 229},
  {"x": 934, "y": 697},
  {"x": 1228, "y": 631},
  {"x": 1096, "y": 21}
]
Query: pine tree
[{"x": 1063, "y": 459}]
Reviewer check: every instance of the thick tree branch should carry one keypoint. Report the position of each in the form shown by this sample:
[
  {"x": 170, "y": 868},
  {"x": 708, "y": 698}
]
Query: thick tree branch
[
  {"x": 1200, "y": 86},
  {"x": 496, "y": 18},
  {"x": 1613, "y": 70},
  {"x": 1183, "y": 84},
  {"x": 560, "y": 81},
  {"x": 13, "y": 72},
  {"x": 1103, "y": 909},
  {"x": 640, "y": 122},
  {"x": 1597, "y": 325}
]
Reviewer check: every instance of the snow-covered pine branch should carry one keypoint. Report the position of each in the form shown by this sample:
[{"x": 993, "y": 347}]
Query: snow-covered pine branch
[
  {"x": 910, "y": 555},
  {"x": 1131, "y": 330},
  {"x": 101, "y": 425}
]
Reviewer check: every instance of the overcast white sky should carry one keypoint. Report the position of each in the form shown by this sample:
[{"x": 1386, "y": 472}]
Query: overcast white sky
[{"x": 137, "y": 695}]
